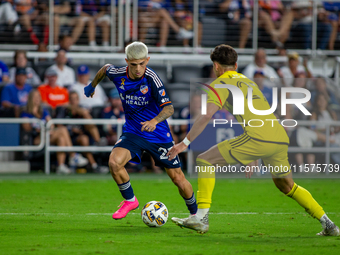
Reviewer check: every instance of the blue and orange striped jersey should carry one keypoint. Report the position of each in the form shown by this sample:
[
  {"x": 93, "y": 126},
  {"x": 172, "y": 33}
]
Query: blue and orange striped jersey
[{"x": 142, "y": 100}]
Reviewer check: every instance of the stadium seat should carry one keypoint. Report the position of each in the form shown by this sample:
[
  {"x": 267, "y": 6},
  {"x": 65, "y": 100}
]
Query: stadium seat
[
  {"x": 322, "y": 67},
  {"x": 179, "y": 94},
  {"x": 161, "y": 71},
  {"x": 59, "y": 112},
  {"x": 49, "y": 110},
  {"x": 214, "y": 31},
  {"x": 183, "y": 73},
  {"x": 96, "y": 112}
]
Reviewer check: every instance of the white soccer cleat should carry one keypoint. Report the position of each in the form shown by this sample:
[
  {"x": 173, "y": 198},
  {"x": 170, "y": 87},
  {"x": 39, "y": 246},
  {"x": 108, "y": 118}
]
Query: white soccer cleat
[
  {"x": 193, "y": 222},
  {"x": 333, "y": 231}
]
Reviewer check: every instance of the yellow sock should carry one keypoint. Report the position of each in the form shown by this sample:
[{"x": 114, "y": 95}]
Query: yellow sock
[
  {"x": 206, "y": 183},
  {"x": 305, "y": 199}
]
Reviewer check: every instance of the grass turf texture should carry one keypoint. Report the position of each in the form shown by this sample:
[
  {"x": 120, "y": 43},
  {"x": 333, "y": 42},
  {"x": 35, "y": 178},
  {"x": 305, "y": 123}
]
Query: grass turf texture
[{"x": 72, "y": 215}]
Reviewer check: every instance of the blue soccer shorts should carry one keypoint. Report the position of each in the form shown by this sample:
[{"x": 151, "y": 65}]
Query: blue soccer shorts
[{"x": 137, "y": 145}]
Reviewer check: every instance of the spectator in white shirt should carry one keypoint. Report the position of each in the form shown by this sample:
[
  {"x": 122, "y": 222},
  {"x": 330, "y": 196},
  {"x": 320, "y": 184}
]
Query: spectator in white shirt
[
  {"x": 66, "y": 75},
  {"x": 260, "y": 64},
  {"x": 99, "y": 98},
  {"x": 287, "y": 73}
]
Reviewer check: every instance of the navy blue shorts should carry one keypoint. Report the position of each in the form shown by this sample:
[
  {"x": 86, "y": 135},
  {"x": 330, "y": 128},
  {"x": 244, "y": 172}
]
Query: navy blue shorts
[{"x": 137, "y": 145}]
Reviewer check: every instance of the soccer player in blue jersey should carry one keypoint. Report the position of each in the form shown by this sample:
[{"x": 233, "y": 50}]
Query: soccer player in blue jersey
[{"x": 146, "y": 106}]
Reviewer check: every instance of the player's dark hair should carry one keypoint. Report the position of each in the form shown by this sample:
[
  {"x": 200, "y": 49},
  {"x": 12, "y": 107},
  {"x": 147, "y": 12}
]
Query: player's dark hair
[{"x": 224, "y": 55}]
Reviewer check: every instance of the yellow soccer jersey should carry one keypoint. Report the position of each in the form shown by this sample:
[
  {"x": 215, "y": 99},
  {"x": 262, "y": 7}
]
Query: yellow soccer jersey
[{"x": 271, "y": 130}]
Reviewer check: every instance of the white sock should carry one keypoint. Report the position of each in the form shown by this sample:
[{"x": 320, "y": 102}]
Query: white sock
[
  {"x": 326, "y": 222},
  {"x": 105, "y": 43},
  {"x": 202, "y": 212},
  {"x": 132, "y": 199},
  {"x": 94, "y": 165},
  {"x": 92, "y": 43}
]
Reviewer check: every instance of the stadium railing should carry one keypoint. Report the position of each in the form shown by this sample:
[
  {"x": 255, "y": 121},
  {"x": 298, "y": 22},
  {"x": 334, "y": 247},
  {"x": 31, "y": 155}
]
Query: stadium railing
[
  {"x": 324, "y": 68},
  {"x": 49, "y": 148},
  {"x": 327, "y": 149},
  {"x": 124, "y": 27},
  {"x": 45, "y": 141},
  {"x": 337, "y": 72},
  {"x": 101, "y": 58},
  {"x": 38, "y": 147}
]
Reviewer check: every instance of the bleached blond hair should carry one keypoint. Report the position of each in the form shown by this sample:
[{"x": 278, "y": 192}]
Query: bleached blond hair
[{"x": 136, "y": 50}]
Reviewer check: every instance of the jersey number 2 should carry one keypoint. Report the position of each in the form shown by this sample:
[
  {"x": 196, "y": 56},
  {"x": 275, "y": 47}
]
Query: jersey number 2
[{"x": 164, "y": 152}]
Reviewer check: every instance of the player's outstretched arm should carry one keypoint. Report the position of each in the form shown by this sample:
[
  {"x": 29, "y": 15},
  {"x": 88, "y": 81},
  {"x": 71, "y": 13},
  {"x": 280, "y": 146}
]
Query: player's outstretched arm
[
  {"x": 99, "y": 76},
  {"x": 89, "y": 89},
  {"x": 150, "y": 125},
  {"x": 199, "y": 125}
]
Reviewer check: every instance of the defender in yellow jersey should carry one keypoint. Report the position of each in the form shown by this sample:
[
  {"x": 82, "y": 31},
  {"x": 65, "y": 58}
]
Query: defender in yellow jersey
[
  {"x": 256, "y": 142},
  {"x": 268, "y": 142}
]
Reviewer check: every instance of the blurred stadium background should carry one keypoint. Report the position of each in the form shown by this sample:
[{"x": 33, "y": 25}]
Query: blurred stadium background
[{"x": 95, "y": 33}]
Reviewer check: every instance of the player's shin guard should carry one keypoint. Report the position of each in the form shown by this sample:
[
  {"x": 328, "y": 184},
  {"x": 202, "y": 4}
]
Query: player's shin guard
[
  {"x": 206, "y": 183},
  {"x": 305, "y": 199}
]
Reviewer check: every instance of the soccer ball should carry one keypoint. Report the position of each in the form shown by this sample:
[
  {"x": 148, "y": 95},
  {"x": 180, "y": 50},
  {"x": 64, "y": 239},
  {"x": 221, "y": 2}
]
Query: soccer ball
[{"x": 154, "y": 214}]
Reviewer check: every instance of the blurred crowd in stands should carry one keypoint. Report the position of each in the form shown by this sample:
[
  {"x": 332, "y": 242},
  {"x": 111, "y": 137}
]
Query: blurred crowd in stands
[
  {"x": 280, "y": 23},
  {"x": 59, "y": 93},
  {"x": 56, "y": 91}
]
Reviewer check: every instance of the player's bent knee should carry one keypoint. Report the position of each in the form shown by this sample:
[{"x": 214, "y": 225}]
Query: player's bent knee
[
  {"x": 284, "y": 186},
  {"x": 114, "y": 166}
]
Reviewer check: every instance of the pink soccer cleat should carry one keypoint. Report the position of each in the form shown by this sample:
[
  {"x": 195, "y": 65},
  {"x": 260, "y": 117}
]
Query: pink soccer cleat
[{"x": 125, "y": 208}]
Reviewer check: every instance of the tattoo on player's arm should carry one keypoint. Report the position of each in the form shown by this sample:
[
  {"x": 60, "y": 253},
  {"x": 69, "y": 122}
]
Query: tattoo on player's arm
[
  {"x": 166, "y": 112},
  {"x": 99, "y": 76}
]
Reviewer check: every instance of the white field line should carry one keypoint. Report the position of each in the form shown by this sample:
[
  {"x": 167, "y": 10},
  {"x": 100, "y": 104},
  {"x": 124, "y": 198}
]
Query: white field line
[{"x": 136, "y": 213}]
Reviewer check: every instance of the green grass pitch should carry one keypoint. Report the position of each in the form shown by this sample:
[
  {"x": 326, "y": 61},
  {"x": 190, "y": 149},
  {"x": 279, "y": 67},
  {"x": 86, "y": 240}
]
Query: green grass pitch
[{"x": 72, "y": 215}]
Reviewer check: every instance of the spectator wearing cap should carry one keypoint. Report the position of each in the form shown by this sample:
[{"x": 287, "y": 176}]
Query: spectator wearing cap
[
  {"x": 83, "y": 79},
  {"x": 288, "y": 72},
  {"x": 15, "y": 95},
  {"x": 260, "y": 64},
  {"x": 20, "y": 61},
  {"x": 52, "y": 94},
  {"x": 114, "y": 111},
  {"x": 4, "y": 75},
  {"x": 262, "y": 82},
  {"x": 66, "y": 75}
]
